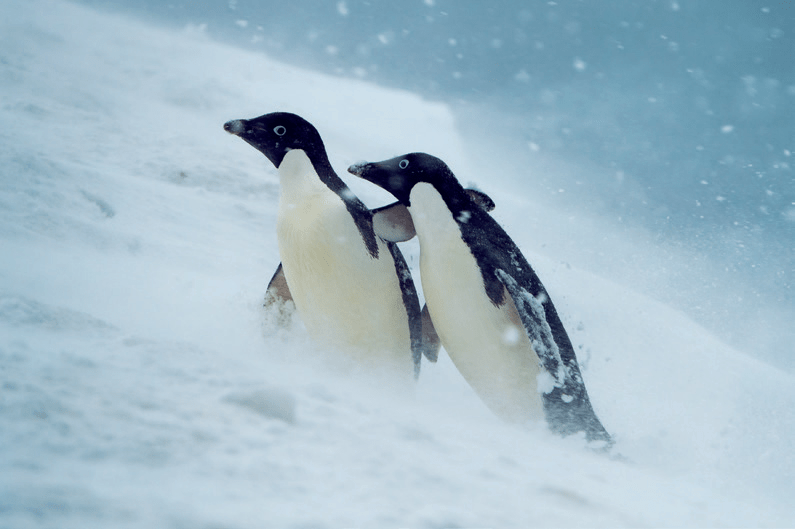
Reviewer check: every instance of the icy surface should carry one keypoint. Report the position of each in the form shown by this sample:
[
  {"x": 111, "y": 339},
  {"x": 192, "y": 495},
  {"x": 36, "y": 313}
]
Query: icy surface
[{"x": 141, "y": 385}]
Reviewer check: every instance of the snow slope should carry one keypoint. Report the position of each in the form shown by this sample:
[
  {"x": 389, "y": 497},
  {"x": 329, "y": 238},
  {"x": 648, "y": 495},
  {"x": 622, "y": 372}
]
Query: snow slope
[{"x": 143, "y": 386}]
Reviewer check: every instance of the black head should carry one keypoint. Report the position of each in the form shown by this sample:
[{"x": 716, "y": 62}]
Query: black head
[
  {"x": 275, "y": 134},
  {"x": 400, "y": 174}
]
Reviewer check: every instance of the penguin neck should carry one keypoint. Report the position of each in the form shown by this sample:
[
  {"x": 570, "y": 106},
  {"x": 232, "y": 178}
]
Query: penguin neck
[
  {"x": 310, "y": 175},
  {"x": 299, "y": 177},
  {"x": 303, "y": 178},
  {"x": 432, "y": 215}
]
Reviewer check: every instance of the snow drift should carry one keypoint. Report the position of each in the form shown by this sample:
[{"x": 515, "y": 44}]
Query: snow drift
[{"x": 142, "y": 386}]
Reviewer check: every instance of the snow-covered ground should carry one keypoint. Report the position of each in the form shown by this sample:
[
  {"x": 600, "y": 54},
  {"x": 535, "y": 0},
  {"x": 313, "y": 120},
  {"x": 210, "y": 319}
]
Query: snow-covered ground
[{"x": 143, "y": 386}]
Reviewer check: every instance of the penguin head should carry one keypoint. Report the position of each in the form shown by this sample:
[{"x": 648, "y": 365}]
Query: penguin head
[
  {"x": 277, "y": 133},
  {"x": 400, "y": 174}
]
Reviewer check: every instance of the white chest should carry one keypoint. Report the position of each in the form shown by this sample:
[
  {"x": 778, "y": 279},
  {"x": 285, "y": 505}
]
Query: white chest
[
  {"x": 488, "y": 344},
  {"x": 348, "y": 300}
]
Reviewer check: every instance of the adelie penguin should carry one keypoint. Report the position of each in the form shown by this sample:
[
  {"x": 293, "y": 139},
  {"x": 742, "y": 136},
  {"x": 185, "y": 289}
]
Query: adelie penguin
[
  {"x": 352, "y": 289},
  {"x": 494, "y": 317}
]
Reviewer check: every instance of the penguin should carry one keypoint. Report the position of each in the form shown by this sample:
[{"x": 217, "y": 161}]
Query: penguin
[
  {"x": 493, "y": 315},
  {"x": 352, "y": 289}
]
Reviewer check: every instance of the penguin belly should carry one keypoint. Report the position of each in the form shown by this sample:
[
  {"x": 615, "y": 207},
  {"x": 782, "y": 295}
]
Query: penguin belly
[
  {"x": 488, "y": 344},
  {"x": 348, "y": 300}
]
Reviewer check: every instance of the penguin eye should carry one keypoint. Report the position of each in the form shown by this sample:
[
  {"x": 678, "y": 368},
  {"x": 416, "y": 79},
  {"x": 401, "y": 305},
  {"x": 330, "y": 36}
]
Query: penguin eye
[
  {"x": 403, "y": 163},
  {"x": 279, "y": 130}
]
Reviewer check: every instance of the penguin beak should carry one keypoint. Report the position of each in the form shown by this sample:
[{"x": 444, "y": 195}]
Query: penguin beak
[
  {"x": 358, "y": 169},
  {"x": 371, "y": 172},
  {"x": 236, "y": 126},
  {"x": 383, "y": 177}
]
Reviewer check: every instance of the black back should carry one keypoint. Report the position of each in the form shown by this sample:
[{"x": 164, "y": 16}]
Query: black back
[{"x": 567, "y": 406}]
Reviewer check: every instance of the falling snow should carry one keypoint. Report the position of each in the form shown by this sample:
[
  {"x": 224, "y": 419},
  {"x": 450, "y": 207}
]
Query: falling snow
[{"x": 144, "y": 385}]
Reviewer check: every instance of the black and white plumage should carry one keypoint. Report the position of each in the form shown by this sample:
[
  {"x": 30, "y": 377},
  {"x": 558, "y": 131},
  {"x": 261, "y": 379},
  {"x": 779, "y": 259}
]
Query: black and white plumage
[
  {"x": 352, "y": 289},
  {"x": 493, "y": 315}
]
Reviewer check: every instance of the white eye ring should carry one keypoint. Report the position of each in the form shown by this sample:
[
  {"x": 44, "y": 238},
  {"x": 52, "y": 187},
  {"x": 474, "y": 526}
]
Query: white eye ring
[
  {"x": 279, "y": 130},
  {"x": 403, "y": 163}
]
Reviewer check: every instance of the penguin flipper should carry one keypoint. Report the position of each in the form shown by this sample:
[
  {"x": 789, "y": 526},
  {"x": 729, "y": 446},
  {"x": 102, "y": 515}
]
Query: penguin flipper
[
  {"x": 411, "y": 303},
  {"x": 567, "y": 407},
  {"x": 277, "y": 291},
  {"x": 393, "y": 223},
  {"x": 481, "y": 199},
  {"x": 530, "y": 312},
  {"x": 278, "y": 300},
  {"x": 430, "y": 340}
]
